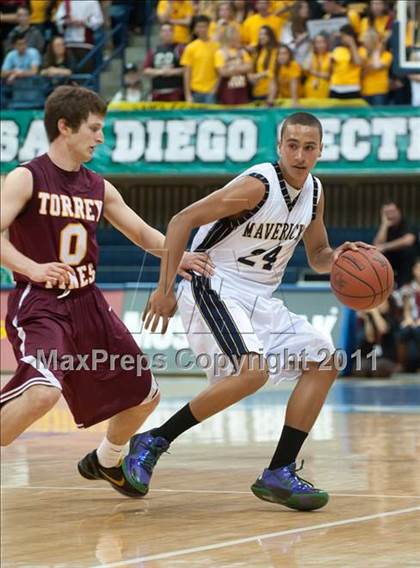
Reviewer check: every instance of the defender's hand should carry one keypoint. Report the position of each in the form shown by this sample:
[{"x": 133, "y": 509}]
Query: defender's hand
[
  {"x": 159, "y": 306},
  {"x": 198, "y": 262},
  {"x": 350, "y": 246},
  {"x": 52, "y": 273}
]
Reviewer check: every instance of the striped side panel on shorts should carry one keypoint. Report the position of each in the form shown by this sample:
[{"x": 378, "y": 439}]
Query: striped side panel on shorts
[{"x": 218, "y": 318}]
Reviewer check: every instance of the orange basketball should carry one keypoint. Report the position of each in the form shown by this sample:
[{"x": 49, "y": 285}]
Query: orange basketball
[{"x": 362, "y": 279}]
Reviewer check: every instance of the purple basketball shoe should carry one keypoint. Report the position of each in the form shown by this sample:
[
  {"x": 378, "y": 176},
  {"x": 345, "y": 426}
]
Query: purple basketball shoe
[
  {"x": 145, "y": 450},
  {"x": 285, "y": 487}
]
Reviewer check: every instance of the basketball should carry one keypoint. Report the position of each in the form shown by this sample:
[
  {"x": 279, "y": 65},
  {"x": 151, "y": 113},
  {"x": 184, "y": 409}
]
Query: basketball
[{"x": 362, "y": 279}]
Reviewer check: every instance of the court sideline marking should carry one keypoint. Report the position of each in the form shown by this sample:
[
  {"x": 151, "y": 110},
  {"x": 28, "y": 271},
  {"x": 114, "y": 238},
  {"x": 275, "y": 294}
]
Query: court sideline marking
[
  {"x": 228, "y": 543},
  {"x": 199, "y": 491}
]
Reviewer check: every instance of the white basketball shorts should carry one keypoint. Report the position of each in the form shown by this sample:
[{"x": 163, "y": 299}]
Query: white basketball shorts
[{"x": 228, "y": 325}]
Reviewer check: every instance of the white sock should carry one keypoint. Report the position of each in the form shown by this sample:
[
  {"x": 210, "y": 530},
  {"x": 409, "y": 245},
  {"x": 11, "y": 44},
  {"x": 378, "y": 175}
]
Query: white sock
[{"x": 109, "y": 454}]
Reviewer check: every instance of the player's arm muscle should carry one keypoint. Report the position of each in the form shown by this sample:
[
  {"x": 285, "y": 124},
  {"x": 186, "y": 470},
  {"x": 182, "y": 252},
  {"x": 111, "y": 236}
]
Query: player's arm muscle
[
  {"x": 123, "y": 218},
  {"x": 318, "y": 250},
  {"x": 231, "y": 200},
  {"x": 16, "y": 192}
]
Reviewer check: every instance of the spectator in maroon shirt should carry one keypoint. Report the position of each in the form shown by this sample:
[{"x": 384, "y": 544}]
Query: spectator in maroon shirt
[
  {"x": 232, "y": 63},
  {"x": 162, "y": 66}
]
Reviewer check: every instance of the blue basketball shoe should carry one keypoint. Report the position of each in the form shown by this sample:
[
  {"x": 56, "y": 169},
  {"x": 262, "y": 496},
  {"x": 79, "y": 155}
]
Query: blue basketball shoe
[
  {"x": 285, "y": 487},
  {"x": 138, "y": 465}
]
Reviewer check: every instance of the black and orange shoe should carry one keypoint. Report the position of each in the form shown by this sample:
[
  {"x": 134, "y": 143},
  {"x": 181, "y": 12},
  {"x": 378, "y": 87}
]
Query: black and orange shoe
[{"x": 90, "y": 468}]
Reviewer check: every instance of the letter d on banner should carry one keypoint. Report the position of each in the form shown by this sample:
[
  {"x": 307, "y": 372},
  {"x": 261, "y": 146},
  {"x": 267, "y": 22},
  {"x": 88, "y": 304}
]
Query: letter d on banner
[{"x": 129, "y": 141}]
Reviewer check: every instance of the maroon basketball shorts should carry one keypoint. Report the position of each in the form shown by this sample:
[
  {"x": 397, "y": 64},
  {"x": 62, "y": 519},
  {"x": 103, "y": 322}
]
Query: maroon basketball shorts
[{"x": 78, "y": 345}]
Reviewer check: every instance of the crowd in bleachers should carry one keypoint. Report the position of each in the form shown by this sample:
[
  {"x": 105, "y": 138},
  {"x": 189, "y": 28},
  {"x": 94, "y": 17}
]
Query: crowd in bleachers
[
  {"x": 43, "y": 44},
  {"x": 392, "y": 330},
  {"x": 239, "y": 51},
  {"x": 215, "y": 51}
]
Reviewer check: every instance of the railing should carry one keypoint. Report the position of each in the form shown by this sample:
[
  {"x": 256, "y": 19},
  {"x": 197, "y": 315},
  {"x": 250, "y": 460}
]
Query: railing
[
  {"x": 150, "y": 16},
  {"x": 92, "y": 80}
]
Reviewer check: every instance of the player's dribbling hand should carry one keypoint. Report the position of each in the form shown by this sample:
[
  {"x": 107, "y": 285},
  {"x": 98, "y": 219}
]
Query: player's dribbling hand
[
  {"x": 52, "y": 273},
  {"x": 160, "y": 305},
  {"x": 198, "y": 262},
  {"x": 351, "y": 246}
]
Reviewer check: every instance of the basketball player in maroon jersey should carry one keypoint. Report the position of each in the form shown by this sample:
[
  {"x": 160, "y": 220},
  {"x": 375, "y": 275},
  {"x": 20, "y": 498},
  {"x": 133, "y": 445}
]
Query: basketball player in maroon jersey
[{"x": 52, "y": 206}]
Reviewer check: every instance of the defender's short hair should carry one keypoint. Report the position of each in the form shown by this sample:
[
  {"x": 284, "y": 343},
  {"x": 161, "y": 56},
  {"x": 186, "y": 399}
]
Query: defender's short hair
[
  {"x": 304, "y": 119},
  {"x": 73, "y": 104}
]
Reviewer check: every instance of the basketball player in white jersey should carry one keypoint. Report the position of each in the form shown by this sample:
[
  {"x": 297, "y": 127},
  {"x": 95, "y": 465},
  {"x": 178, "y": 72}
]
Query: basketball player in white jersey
[{"x": 250, "y": 229}]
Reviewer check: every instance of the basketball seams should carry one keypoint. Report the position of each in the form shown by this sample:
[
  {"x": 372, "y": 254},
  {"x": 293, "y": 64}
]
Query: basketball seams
[
  {"x": 353, "y": 269},
  {"x": 344, "y": 296},
  {"x": 374, "y": 269},
  {"x": 351, "y": 296},
  {"x": 349, "y": 259},
  {"x": 357, "y": 278}
]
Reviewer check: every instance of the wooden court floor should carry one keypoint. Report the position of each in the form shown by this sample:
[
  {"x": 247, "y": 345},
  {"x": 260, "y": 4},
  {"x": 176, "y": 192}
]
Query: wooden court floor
[{"x": 365, "y": 450}]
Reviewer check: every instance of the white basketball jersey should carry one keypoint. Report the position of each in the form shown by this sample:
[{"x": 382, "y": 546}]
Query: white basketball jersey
[{"x": 251, "y": 253}]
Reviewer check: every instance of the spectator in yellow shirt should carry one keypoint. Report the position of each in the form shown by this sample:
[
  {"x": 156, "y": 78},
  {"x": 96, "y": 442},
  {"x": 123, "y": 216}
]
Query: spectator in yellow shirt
[
  {"x": 378, "y": 18},
  {"x": 205, "y": 8},
  {"x": 225, "y": 17},
  {"x": 39, "y": 10},
  {"x": 264, "y": 67},
  {"x": 233, "y": 63},
  {"x": 179, "y": 13},
  {"x": 318, "y": 69},
  {"x": 347, "y": 61},
  {"x": 252, "y": 25},
  {"x": 375, "y": 73},
  {"x": 286, "y": 81},
  {"x": 281, "y": 8},
  {"x": 200, "y": 75}
]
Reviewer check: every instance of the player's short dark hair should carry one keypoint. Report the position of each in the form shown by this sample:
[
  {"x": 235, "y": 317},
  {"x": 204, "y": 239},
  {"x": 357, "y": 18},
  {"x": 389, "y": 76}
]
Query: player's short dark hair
[
  {"x": 303, "y": 118},
  {"x": 73, "y": 104}
]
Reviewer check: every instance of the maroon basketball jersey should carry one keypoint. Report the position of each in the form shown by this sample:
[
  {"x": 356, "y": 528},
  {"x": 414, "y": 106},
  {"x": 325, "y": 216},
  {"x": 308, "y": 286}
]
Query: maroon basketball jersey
[{"x": 59, "y": 222}]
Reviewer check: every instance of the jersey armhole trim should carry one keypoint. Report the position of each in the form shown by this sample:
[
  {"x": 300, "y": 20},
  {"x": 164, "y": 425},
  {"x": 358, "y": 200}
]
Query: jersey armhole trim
[
  {"x": 27, "y": 205},
  {"x": 315, "y": 197},
  {"x": 222, "y": 228}
]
